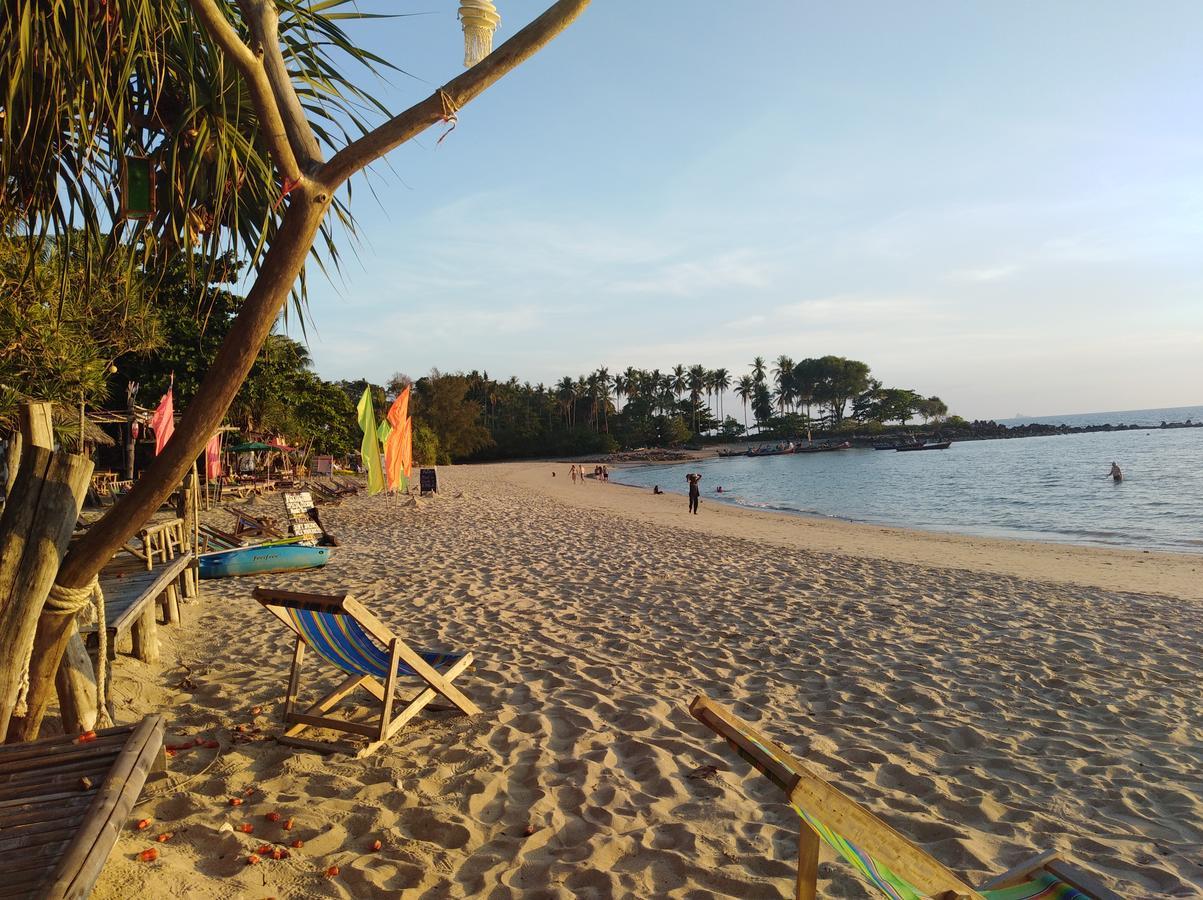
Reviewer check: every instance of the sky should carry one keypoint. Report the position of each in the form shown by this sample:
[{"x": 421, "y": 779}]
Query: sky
[{"x": 1000, "y": 203}]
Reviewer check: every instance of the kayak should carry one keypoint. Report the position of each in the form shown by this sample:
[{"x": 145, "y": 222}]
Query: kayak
[{"x": 263, "y": 558}]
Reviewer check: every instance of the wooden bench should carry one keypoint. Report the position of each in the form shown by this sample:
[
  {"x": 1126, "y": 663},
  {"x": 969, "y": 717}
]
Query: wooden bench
[
  {"x": 63, "y": 804},
  {"x": 130, "y": 592}
]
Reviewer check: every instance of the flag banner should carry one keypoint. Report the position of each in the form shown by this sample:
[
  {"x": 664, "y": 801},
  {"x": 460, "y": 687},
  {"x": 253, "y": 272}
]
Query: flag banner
[
  {"x": 407, "y": 446},
  {"x": 398, "y": 415},
  {"x": 370, "y": 447},
  {"x": 213, "y": 457},
  {"x": 163, "y": 422}
]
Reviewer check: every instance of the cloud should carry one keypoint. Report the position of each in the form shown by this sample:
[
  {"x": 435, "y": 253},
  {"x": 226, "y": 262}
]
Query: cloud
[
  {"x": 737, "y": 268},
  {"x": 983, "y": 275},
  {"x": 844, "y": 309}
]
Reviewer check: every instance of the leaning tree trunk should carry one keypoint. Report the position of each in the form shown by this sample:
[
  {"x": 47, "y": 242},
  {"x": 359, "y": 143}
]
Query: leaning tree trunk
[{"x": 295, "y": 154}]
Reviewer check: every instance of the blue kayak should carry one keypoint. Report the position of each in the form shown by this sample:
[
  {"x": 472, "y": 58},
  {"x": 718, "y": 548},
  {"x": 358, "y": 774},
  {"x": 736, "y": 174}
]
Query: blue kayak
[{"x": 264, "y": 558}]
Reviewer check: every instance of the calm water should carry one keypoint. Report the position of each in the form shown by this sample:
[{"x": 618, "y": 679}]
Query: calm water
[{"x": 1045, "y": 488}]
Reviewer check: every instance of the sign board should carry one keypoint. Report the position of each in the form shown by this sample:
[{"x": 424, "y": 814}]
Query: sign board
[
  {"x": 323, "y": 465},
  {"x": 428, "y": 481},
  {"x": 137, "y": 188}
]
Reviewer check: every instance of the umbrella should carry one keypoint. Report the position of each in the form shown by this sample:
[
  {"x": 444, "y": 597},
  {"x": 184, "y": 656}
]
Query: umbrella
[{"x": 249, "y": 446}]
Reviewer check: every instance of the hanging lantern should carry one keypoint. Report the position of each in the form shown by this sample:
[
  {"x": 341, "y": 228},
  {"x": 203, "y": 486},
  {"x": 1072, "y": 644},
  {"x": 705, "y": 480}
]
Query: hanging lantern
[{"x": 479, "y": 19}]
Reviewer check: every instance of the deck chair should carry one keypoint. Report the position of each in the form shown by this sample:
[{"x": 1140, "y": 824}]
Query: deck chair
[
  {"x": 881, "y": 855},
  {"x": 214, "y": 539},
  {"x": 245, "y": 523},
  {"x": 346, "y": 635}
]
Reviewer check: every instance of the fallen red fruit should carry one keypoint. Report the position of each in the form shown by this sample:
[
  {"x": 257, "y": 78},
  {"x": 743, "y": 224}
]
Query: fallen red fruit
[
  {"x": 272, "y": 817},
  {"x": 264, "y": 849},
  {"x": 166, "y": 836},
  {"x": 246, "y": 827},
  {"x": 298, "y": 844},
  {"x": 149, "y": 855},
  {"x": 376, "y": 845},
  {"x": 235, "y": 801},
  {"x": 332, "y": 872},
  {"x": 288, "y": 825},
  {"x": 143, "y": 824},
  {"x": 252, "y": 859},
  {"x": 86, "y": 738},
  {"x": 255, "y": 710}
]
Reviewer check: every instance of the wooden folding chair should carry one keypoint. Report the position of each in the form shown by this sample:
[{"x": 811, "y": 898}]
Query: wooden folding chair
[
  {"x": 346, "y": 635},
  {"x": 880, "y": 854},
  {"x": 245, "y": 523}
]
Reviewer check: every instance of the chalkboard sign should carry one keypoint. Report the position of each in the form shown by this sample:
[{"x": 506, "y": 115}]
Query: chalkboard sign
[{"x": 428, "y": 481}]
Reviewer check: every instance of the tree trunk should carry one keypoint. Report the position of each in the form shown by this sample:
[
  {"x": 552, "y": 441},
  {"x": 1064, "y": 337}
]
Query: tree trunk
[
  {"x": 75, "y": 684},
  {"x": 34, "y": 532},
  {"x": 13, "y": 462}
]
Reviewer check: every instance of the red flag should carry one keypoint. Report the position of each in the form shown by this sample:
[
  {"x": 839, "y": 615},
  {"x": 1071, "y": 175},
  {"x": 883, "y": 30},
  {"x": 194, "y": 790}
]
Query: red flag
[
  {"x": 407, "y": 446},
  {"x": 398, "y": 415},
  {"x": 213, "y": 457},
  {"x": 163, "y": 422}
]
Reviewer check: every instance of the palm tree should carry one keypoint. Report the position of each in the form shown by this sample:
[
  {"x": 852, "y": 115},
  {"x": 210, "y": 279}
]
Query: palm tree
[
  {"x": 783, "y": 371},
  {"x": 677, "y": 386},
  {"x": 722, "y": 382},
  {"x": 696, "y": 382},
  {"x": 758, "y": 369},
  {"x": 743, "y": 389},
  {"x": 620, "y": 389},
  {"x": 603, "y": 387},
  {"x": 566, "y": 395}
]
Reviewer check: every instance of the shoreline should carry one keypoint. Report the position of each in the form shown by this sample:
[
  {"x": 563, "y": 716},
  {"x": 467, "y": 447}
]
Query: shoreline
[
  {"x": 919, "y": 529},
  {"x": 1177, "y": 575}
]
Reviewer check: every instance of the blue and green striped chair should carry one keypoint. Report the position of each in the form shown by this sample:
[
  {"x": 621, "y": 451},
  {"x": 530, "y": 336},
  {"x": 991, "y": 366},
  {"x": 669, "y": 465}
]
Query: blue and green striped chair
[
  {"x": 348, "y": 637},
  {"x": 881, "y": 855}
]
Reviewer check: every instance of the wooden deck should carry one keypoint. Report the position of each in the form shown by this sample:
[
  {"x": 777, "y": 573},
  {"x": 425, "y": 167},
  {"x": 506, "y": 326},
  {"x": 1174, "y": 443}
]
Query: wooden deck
[{"x": 62, "y": 805}]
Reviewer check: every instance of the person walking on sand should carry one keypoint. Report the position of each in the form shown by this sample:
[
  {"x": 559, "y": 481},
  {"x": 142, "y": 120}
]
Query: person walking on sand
[
  {"x": 694, "y": 491},
  {"x": 1115, "y": 473},
  {"x": 572, "y": 473}
]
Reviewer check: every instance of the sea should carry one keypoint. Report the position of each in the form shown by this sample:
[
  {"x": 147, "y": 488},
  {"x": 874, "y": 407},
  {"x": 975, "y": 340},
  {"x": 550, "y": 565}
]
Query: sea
[{"x": 1053, "y": 488}]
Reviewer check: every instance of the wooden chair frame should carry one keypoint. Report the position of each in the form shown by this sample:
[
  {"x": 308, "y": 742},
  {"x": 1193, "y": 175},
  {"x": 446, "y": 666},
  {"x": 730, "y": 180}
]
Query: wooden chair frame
[
  {"x": 245, "y": 523},
  {"x": 388, "y": 724},
  {"x": 806, "y": 790}
]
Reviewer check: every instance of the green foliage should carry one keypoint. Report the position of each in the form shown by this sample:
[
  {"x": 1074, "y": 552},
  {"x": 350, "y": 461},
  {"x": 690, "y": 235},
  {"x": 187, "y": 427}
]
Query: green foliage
[
  {"x": 88, "y": 83},
  {"x": 441, "y": 402},
  {"x": 62, "y": 326},
  {"x": 425, "y": 445}
]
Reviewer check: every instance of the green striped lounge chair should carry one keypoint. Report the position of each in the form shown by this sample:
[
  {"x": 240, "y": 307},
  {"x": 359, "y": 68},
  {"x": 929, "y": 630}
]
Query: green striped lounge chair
[
  {"x": 882, "y": 856},
  {"x": 345, "y": 635}
]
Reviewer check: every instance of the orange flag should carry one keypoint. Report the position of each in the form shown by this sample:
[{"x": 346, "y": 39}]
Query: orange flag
[
  {"x": 398, "y": 415},
  {"x": 407, "y": 446}
]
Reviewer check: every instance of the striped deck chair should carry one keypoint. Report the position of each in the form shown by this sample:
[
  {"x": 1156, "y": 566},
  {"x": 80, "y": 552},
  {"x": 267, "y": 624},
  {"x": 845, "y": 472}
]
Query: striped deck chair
[
  {"x": 346, "y": 635},
  {"x": 881, "y": 855}
]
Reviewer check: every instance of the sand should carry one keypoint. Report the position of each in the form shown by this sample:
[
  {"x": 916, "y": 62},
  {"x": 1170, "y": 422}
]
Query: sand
[{"x": 989, "y": 699}]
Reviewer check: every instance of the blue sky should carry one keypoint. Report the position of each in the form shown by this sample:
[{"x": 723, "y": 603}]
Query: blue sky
[{"x": 1000, "y": 203}]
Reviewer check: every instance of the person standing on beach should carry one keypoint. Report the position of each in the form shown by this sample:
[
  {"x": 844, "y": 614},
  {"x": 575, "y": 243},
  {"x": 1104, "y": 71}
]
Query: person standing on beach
[
  {"x": 694, "y": 491},
  {"x": 572, "y": 473}
]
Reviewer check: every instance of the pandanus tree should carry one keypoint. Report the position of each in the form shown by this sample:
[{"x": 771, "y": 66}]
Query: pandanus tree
[{"x": 251, "y": 128}]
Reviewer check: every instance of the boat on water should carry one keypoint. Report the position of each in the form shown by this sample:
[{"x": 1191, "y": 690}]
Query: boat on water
[
  {"x": 262, "y": 558},
  {"x": 727, "y": 454},
  {"x": 823, "y": 448},
  {"x": 941, "y": 445},
  {"x": 772, "y": 449}
]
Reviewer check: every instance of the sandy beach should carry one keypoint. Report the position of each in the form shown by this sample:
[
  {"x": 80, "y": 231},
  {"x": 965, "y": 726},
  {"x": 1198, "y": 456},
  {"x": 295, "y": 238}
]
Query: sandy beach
[{"x": 989, "y": 699}]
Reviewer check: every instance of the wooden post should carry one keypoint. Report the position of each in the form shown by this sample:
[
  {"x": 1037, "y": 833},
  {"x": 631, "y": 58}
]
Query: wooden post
[
  {"x": 34, "y": 532},
  {"x": 808, "y": 864},
  {"x": 145, "y": 634},
  {"x": 75, "y": 683},
  {"x": 37, "y": 424},
  {"x": 187, "y": 508},
  {"x": 14, "y": 460}
]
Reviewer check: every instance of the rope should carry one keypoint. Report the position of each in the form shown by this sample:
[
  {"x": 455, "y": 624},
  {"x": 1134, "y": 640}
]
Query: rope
[
  {"x": 449, "y": 114},
  {"x": 68, "y": 601}
]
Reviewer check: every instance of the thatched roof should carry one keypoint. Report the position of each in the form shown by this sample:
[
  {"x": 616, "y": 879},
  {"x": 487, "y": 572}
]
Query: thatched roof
[{"x": 66, "y": 429}]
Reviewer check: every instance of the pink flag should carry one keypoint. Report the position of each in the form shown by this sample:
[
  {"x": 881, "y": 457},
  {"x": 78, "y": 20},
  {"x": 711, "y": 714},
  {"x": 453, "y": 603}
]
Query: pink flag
[
  {"x": 163, "y": 422},
  {"x": 213, "y": 457}
]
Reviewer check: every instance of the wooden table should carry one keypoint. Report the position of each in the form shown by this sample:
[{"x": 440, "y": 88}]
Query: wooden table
[{"x": 130, "y": 592}]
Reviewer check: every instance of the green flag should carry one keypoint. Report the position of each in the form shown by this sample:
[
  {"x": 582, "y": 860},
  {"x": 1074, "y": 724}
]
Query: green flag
[
  {"x": 383, "y": 430},
  {"x": 370, "y": 447}
]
